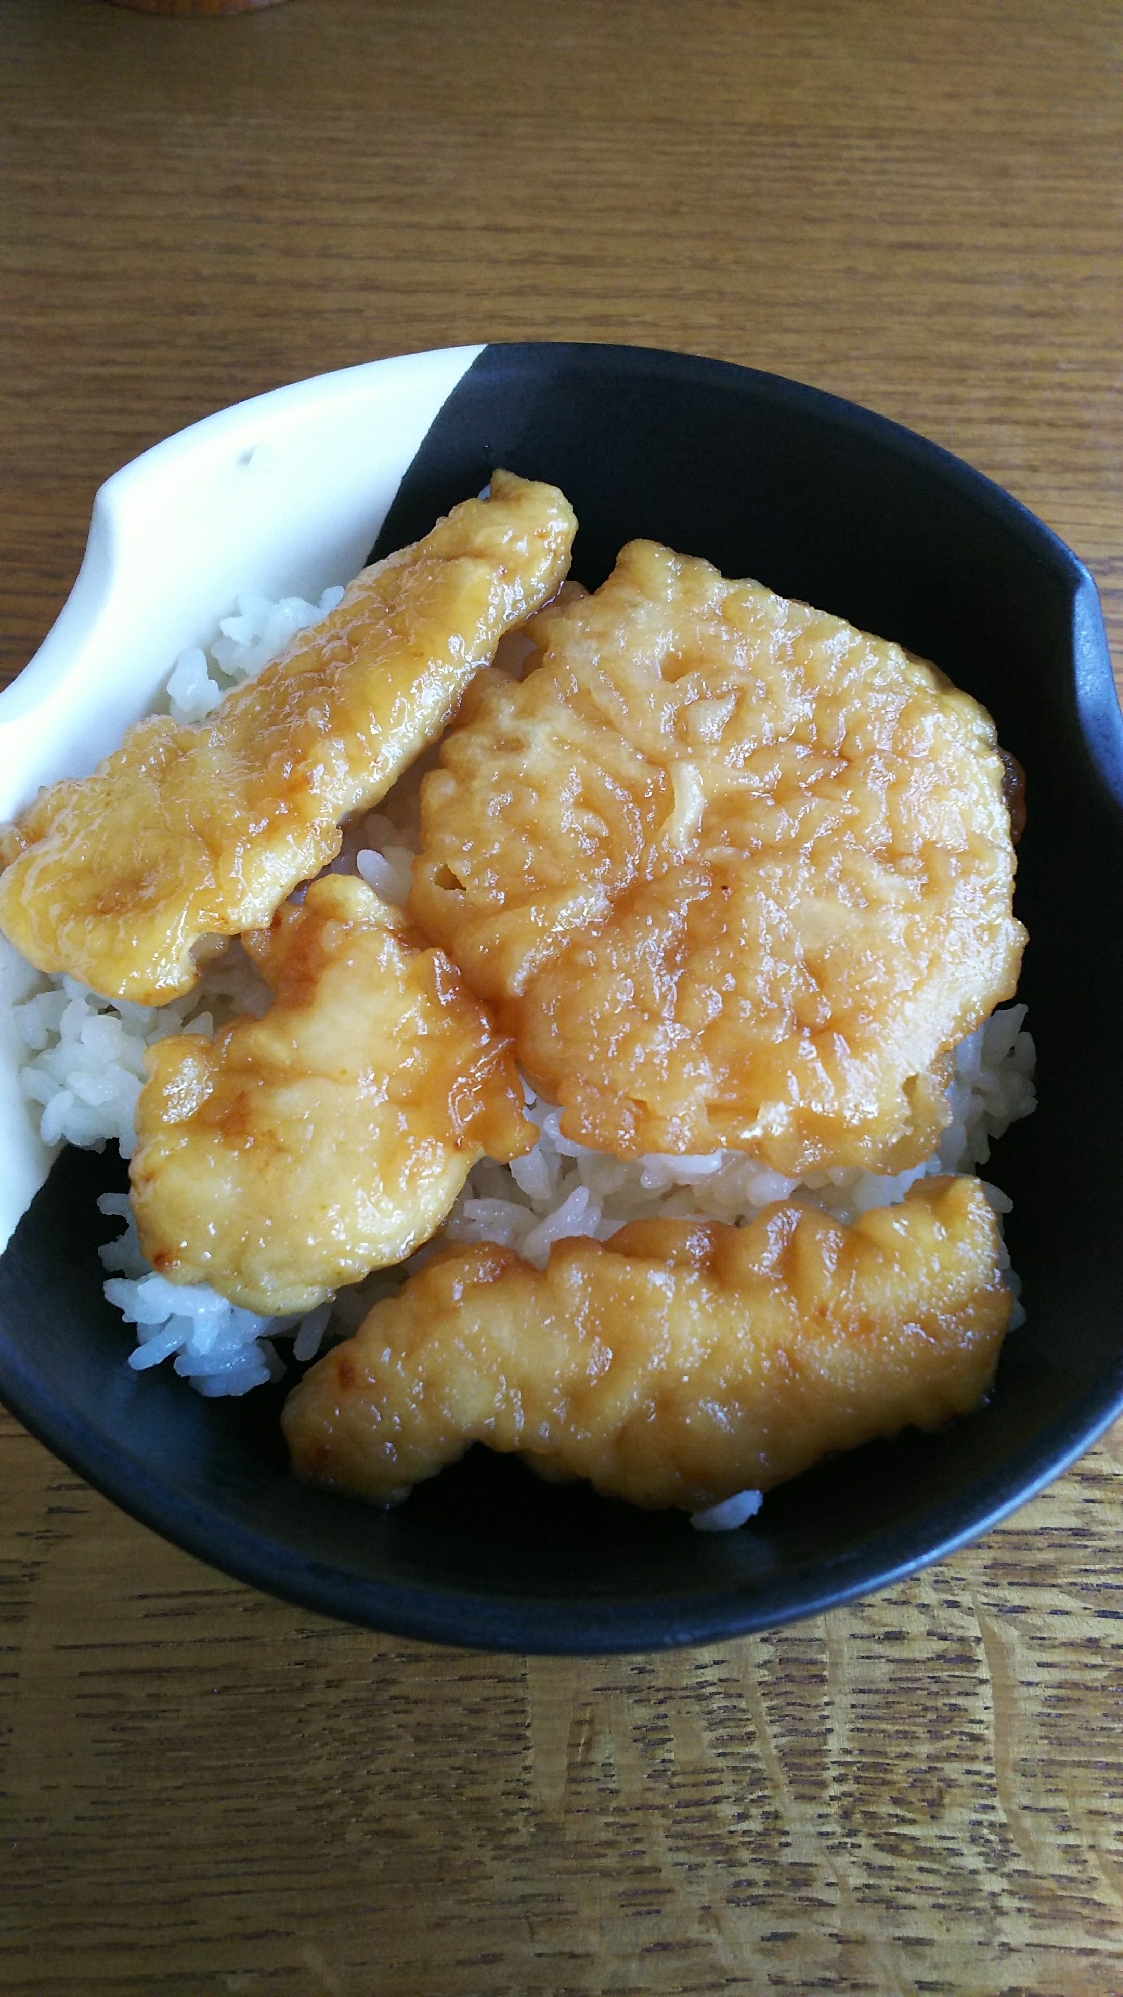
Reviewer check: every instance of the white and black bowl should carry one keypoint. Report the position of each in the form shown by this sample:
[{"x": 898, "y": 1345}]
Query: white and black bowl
[{"x": 820, "y": 500}]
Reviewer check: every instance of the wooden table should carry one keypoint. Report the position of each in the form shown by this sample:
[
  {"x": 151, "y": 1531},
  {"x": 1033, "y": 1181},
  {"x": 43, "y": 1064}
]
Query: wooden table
[{"x": 915, "y": 205}]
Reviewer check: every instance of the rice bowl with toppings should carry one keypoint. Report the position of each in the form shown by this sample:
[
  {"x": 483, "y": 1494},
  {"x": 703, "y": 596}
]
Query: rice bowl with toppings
[
  {"x": 86, "y": 1063},
  {"x": 870, "y": 1526}
]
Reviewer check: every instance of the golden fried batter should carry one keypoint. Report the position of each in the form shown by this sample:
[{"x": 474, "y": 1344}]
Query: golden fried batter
[
  {"x": 676, "y": 1364},
  {"x": 185, "y": 832},
  {"x": 735, "y": 874},
  {"x": 331, "y": 1137}
]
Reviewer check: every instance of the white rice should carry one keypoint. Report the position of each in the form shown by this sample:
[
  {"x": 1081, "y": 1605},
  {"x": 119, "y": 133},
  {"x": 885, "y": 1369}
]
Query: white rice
[
  {"x": 85, "y": 1058},
  {"x": 246, "y": 641},
  {"x": 561, "y": 1188},
  {"x": 85, "y": 1068}
]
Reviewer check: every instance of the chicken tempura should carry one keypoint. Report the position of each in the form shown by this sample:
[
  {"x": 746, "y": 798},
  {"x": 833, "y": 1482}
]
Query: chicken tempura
[
  {"x": 735, "y": 874},
  {"x": 330, "y": 1138},
  {"x": 186, "y": 833},
  {"x": 676, "y": 1364}
]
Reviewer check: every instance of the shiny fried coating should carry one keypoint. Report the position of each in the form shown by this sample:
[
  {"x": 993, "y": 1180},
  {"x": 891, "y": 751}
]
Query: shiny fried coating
[
  {"x": 188, "y": 832},
  {"x": 329, "y": 1138},
  {"x": 734, "y": 874},
  {"x": 676, "y": 1364}
]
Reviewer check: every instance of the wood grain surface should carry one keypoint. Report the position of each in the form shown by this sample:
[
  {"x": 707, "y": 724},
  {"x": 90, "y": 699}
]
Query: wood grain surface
[{"x": 915, "y": 205}]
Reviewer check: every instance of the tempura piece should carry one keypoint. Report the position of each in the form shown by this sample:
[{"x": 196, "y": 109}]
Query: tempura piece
[
  {"x": 191, "y": 832},
  {"x": 734, "y": 874},
  {"x": 329, "y": 1138},
  {"x": 676, "y": 1364}
]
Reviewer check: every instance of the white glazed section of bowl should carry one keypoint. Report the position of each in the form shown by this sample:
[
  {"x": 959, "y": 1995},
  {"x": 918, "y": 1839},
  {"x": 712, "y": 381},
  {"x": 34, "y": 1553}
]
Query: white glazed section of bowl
[{"x": 281, "y": 495}]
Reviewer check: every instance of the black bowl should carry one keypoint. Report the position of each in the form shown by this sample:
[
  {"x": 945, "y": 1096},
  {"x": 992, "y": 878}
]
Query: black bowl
[{"x": 823, "y": 501}]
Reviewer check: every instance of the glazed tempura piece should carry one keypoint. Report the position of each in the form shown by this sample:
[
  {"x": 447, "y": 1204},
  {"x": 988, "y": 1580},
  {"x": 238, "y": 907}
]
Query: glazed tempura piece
[
  {"x": 735, "y": 874},
  {"x": 330, "y": 1138},
  {"x": 676, "y": 1364},
  {"x": 189, "y": 832}
]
